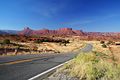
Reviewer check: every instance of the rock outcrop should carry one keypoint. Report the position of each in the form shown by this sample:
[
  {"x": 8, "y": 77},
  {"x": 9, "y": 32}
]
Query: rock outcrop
[
  {"x": 61, "y": 31},
  {"x": 70, "y": 32}
]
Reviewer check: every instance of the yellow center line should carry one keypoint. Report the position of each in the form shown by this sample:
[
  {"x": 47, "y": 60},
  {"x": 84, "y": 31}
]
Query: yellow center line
[{"x": 19, "y": 61}]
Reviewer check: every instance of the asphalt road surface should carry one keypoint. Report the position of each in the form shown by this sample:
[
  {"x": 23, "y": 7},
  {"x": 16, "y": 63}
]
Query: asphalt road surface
[
  {"x": 23, "y": 67},
  {"x": 87, "y": 48}
]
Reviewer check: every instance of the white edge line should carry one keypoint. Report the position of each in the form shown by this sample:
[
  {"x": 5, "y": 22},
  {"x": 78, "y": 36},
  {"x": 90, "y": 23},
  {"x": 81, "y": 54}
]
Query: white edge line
[{"x": 48, "y": 70}]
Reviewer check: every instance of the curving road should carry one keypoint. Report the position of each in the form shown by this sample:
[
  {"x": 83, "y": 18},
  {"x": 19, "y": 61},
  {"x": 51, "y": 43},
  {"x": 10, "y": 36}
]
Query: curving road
[
  {"x": 23, "y": 67},
  {"x": 87, "y": 48}
]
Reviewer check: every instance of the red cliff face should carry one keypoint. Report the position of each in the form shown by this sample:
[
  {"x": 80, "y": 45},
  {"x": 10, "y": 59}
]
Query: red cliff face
[
  {"x": 66, "y": 31},
  {"x": 61, "y": 31},
  {"x": 71, "y": 32},
  {"x": 79, "y": 32},
  {"x": 26, "y": 31}
]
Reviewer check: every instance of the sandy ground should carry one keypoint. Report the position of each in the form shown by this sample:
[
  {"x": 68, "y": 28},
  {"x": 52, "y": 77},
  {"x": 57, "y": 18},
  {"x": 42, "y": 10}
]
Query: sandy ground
[
  {"x": 48, "y": 47},
  {"x": 73, "y": 45},
  {"x": 110, "y": 50},
  {"x": 97, "y": 46}
]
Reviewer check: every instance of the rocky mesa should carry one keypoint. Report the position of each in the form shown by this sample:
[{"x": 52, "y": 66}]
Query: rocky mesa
[{"x": 62, "y": 31}]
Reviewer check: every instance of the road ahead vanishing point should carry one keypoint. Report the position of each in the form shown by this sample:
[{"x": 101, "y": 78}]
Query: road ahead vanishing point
[{"x": 23, "y": 67}]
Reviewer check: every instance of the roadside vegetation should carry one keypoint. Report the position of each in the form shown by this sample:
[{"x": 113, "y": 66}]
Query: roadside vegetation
[
  {"x": 41, "y": 45},
  {"x": 102, "y": 63},
  {"x": 93, "y": 66},
  {"x": 8, "y": 47}
]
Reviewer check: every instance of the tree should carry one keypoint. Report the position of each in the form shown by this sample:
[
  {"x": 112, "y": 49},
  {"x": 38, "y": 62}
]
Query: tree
[{"x": 6, "y": 41}]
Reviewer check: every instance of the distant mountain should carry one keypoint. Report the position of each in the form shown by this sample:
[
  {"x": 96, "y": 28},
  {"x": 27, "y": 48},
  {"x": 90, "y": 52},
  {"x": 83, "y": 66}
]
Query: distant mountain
[
  {"x": 70, "y": 32},
  {"x": 10, "y": 31},
  {"x": 2, "y": 32},
  {"x": 102, "y": 33},
  {"x": 65, "y": 32},
  {"x": 61, "y": 31},
  {"x": 26, "y": 31}
]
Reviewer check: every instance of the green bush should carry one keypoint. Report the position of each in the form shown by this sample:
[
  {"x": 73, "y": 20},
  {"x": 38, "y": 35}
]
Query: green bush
[
  {"x": 6, "y": 41},
  {"x": 46, "y": 40},
  {"x": 37, "y": 41},
  {"x": 104, "y": 46}
]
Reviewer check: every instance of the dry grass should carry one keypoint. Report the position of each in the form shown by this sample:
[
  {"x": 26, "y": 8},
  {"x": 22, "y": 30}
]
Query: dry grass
[
  {"x": 73, "y": 45},
  {"x": 111, "y": 50},
  {"x": 92, "y": 66},
  {"x": 115, "y": 50},
  {"x": 101, "y": 64},
  {"x": 98, "y": 47},
  {"x": 45, "y": 47}
]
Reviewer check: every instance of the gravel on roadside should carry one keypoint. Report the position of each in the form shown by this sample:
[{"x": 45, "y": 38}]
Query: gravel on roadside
[{"x": 60, "y": 76}]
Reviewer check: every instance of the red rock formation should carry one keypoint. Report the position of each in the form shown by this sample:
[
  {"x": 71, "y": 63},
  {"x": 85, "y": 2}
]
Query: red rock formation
[
  {"x": 66, "y": 31},
  {"x": 79, "y": 32},
  {"x": 61, "y": 31},
  {"x": 26, "y": 31},
  {"x": 71, "y": 32}
]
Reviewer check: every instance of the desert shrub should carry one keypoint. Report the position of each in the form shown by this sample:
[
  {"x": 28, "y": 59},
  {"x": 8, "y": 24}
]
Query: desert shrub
[
  {"x": 37, "y": 41},
  {"x": 91, "y": 67},
  {"x": 104, "y": 46},
  {"x": 6, "y": 41},
  {"x": 46, "y": 40},
  {"x": 110, "y": 42},
  {"x": 64, "y": 44},
  {"x": 16, "y": 45},
  {"x": 65, "y": 41},
  {"x": 102, "y": 42},
  {"x": 35, "y": 48}
]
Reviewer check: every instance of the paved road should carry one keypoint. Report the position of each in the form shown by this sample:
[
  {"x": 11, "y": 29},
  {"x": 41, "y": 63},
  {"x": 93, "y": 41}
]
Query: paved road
[
  {"x": 24, "y": 67},
  {"x": 88, "y": 48}
]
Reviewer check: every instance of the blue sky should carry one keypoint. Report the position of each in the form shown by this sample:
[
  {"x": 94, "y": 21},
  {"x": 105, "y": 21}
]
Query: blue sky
[{"x": 88, "y": 15}]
